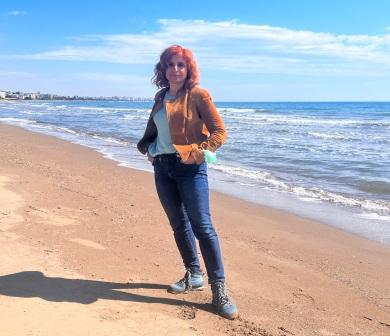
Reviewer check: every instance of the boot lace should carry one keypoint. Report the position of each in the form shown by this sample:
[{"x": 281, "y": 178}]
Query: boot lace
[
  {"x": 186, "y": 281},
  {"x": 222, "y": 297}
]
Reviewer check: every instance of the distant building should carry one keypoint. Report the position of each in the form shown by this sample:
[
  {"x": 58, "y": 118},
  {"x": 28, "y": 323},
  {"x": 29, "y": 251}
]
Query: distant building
[
  {"x": 45, "y": 96},
  {"x": 30, "y": 96},
  {"x": 12, "y": 95},
  {"x": 18, "y": 95}
]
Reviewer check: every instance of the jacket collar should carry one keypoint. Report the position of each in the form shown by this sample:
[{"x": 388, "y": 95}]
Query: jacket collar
[
  {"x": 158, "y": 101},
  {"x": 160, "y": 95}
]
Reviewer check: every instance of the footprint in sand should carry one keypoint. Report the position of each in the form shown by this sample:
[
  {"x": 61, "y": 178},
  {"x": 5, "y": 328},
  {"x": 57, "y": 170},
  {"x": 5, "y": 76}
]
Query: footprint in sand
[
  {"x": 9, "y": 203},
  {"x": 186, "y": 312},
  {"x": 88, "y": 243},
  {"x": 301, "y": 297},
  {"x": 51, "y": 218}
]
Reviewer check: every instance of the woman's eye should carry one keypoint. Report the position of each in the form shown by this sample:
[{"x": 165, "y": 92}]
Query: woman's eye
[{"x": 180, "y": 65}]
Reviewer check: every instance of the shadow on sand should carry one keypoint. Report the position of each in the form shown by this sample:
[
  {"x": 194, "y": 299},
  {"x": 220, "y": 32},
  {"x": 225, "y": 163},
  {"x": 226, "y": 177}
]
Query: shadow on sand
[{"x": 36, "y": 284}]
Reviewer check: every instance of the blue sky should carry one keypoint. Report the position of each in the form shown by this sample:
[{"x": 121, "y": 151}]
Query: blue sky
[{"x": 279, "y": 50}]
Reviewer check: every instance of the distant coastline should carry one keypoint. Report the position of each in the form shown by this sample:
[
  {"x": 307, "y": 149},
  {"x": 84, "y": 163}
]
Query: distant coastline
[{"x": 19, "y": 95}]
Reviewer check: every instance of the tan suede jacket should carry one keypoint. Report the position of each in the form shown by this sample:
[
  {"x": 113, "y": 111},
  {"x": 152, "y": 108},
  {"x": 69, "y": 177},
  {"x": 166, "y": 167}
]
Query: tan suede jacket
[{"x": 194, "y": 123}]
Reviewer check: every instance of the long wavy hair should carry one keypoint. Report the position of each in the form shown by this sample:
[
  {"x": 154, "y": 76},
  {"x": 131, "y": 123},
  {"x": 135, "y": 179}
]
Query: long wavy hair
[{"x": 160, "y": 80}]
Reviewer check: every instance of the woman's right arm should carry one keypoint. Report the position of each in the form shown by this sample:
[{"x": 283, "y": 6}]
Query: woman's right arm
[{"x": 213, "y": 121}]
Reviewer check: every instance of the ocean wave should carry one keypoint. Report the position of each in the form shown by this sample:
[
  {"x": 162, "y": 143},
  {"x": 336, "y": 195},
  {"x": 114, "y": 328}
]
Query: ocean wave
[
  {"x": 376, "y": 187},
  {"x": 372, "y": 205},
  {"x": 17, "y": 121},
  {"x": 381, "y": 139},
  {"x": 32, "y": 113},
  {"x": 109, "y": 109},
  {"x": 6, "y": 107},
  {"x": 258, "y": 176},
  {"x": 374, "y": 216},
  {"x": 78, "y": 133},
  {"x": 49, "y": 127},
  {"x": 336, "y": 136},
  {"x": 39, "y": 105},
  {"x": 56, "y": 108},
  {"x": 108, "y": 139},
  {"x": 273, "y": 119},
  {"x": 90, "y": 108},
  {"x": 67, "y": 130},
  {"x": 240, "y": 110},
  {"x": 135, "y": 117},
  {"x": 267, "y": 179}
]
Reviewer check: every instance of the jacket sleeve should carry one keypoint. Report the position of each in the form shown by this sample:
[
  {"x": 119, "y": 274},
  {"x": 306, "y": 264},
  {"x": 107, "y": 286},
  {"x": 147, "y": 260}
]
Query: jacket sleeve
[{"x": 213, "y": 121}]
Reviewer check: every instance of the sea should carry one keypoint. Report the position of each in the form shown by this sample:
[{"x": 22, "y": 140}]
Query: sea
[{"x": 328, "y": 161}]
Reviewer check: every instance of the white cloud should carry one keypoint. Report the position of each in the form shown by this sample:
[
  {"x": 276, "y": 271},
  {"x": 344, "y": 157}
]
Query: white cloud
[
  {"x": 108, "y": 77},
  {"x": 16, "y": 74},
  {"x": 16, "y": 13},
  {"x": 77, "y": 83},
  {"x": 233, "y": 46}
]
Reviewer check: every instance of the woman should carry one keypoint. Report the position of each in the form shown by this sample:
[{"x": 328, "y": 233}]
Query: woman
[{"x": 184, "y": 122}]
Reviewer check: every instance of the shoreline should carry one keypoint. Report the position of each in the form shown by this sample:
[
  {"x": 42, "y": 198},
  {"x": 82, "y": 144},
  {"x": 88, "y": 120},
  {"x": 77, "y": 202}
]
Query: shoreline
[
  {"x": 80, "y": 211},
  {"x": 367, "y": 225}
]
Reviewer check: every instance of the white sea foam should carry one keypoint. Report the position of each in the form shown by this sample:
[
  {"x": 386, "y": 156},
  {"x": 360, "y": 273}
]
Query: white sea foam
[
  {"x": 108, "y": 109},
  {"x": 39, "y": 105},
  {"x": 48, "y": 128},
  {"x": 375, "y": 216},
  {"x": 17, "y": 121},
  {"x": 135, "y": 117},
  {"x": 341, "y": 199},
  {"x": 337, "y": 136},
  {"x": 314, "y": 193},
  {"x": 109, "y": 139},
  {"x": 296, "y": 120},
  {"x": 32, "y": 113},
  {"x": 247, "y": 184},
  {"x": 259, "y": 176},
  {"x": 67, "y": 130},
  {"x": 90, "y": 108},
  {"x": 55, "y": 108},
  {"x": 235, "y": 110}
]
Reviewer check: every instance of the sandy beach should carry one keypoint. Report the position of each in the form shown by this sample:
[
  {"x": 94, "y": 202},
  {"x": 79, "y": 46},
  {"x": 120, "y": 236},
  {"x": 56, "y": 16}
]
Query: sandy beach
[{"x": 87, "y": 250}]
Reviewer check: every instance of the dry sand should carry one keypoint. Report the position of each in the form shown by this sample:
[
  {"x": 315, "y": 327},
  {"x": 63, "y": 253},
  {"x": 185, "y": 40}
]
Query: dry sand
[{"x": 86, "y": 250}]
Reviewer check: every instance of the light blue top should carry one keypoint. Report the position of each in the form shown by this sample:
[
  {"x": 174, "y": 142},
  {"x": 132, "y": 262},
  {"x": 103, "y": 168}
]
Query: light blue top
[{"x": 163, "y": 143}]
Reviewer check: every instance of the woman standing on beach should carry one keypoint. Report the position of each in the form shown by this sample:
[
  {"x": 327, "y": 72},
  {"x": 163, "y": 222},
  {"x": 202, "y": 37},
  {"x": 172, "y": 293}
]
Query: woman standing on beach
[{"x": 183, "y": 123}]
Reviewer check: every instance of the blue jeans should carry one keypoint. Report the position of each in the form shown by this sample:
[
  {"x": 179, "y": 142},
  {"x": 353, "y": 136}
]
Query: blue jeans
[{"x": 184, "y": 194}]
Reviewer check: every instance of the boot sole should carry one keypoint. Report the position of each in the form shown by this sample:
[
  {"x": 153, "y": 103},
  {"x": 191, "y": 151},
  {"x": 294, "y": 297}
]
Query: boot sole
[
  {"x": 193, "y": 289},
  {"x": 226, "y": 316},
  {"x": 229, "y": 317}
]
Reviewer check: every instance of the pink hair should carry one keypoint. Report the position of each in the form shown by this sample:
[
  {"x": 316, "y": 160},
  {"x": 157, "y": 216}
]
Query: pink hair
[{"x": 161, "y": 67}]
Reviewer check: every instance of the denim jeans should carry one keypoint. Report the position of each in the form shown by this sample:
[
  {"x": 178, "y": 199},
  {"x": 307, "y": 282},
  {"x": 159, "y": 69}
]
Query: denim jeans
[{"x": 184, "y": 194}]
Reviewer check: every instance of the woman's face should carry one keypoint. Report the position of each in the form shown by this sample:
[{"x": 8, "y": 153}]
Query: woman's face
[{"x": 176, "y": 72}]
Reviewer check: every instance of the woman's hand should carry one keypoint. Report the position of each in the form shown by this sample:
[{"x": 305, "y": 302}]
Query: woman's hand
[
  {"x": 150, "y": 158},
  {"x": 196, "y": 156},
  {"x": 190, "y": 160}
]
